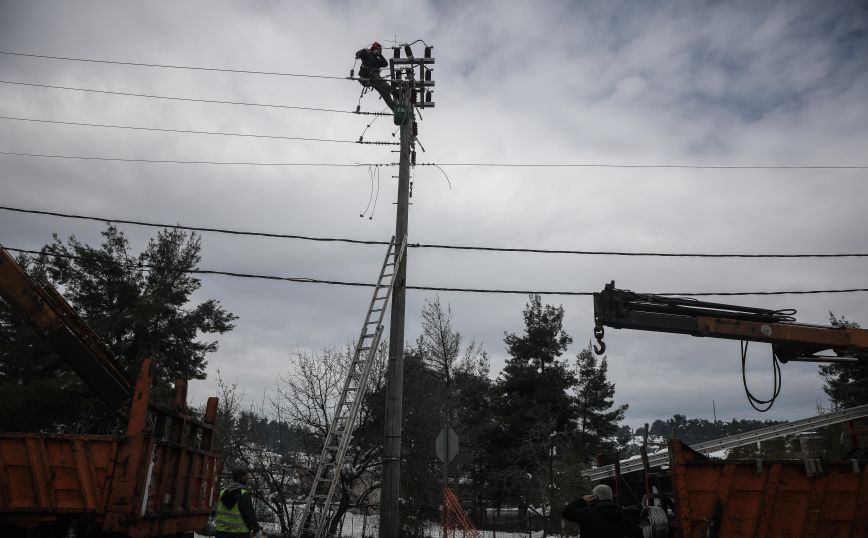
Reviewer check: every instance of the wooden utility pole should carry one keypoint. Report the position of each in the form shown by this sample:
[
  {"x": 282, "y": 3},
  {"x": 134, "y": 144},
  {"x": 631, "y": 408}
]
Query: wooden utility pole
[
  {"x": 390, "y": 486},
  {"x": 410, "y": 91}
]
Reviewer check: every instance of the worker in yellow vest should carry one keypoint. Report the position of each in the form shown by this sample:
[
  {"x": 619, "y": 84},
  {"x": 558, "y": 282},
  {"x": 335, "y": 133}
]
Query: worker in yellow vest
[{"x": 235, "y": 515}]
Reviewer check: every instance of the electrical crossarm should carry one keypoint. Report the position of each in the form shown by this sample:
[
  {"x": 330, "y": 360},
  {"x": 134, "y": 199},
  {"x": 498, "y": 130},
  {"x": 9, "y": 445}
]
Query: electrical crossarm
[{"x": 623, "y": 309}]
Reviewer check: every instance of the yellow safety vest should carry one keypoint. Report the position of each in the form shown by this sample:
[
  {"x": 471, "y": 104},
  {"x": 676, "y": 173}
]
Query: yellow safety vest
[{"x": 229, "y": 519}]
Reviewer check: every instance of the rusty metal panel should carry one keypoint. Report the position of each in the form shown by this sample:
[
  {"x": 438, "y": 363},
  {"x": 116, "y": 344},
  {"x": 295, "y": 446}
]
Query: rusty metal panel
[
  {"x": 773, "y": 498},
  {"x": 54, "y": 473}
]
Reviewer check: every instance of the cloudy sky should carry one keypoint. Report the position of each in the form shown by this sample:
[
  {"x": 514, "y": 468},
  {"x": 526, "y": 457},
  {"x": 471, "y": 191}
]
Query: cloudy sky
[{"x": 628, "y": 83}]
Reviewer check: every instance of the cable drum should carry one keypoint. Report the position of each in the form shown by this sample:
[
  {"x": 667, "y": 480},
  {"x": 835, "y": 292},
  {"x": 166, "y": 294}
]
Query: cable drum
[{"x": 654, "y": 522}]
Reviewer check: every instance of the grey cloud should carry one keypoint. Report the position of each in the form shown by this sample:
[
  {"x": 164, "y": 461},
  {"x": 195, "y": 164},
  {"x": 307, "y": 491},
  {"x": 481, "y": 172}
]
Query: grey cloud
[{"x": 551, "y": 82}]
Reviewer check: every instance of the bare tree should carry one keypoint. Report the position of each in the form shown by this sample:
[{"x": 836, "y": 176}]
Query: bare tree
[
  {"x": 307, "y": 396},
  {"x": 462, "y": 387},
  {"x": 440, "y": 347},
  {"x": 242, "y": 437}
]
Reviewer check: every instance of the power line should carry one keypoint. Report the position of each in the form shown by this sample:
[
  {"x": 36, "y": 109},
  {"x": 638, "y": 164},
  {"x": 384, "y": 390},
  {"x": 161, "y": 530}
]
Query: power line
[
  {"x": 195, "y": 229},
  {"x": 191, "y": 99},
  {"x": 427, "y": 245},
  {"x": 190, "y": 131},
  {"x": 392, "y": 164},
  {"x": 688, "y": 166},
  {"x": 171, "y": 66},
  {"x": 465, "y": 164},
  {"x": 304, "y": 280},
  {"x": 177, "y": 161}
]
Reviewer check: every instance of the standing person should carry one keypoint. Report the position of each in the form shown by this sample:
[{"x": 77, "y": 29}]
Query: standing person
[
  {"x": 597, "y": 515},
  {"x": 235, "y": 515},
  {"x": 372, "y": 61}
]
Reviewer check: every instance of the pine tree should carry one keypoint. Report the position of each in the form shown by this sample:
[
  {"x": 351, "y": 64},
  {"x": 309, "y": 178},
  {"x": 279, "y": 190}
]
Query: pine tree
[
  {"x": 846, "y": 384},
  {"x": 532, "y": 407},
  {"x": 598, "y": 416},
  {"x": 139, "y": 305}
]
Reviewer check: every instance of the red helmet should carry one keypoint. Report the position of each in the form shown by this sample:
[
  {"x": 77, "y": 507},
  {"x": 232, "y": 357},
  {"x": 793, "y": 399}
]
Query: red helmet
[{"x": 376, "y": 45}]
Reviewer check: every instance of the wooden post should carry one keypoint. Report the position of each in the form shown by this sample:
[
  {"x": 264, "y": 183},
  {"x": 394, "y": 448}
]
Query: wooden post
[{"x": 390, "y": 494}]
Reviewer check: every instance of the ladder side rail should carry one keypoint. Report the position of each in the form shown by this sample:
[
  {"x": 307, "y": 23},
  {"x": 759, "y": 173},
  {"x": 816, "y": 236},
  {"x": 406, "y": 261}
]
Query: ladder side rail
[
  {"x": 389, "y": 251},
  {"x": 347, "y": 436},
  {"x": 348, "y": 420},
  {"x": 334, "y": 426},
  {"x": 366, "y": 368}
]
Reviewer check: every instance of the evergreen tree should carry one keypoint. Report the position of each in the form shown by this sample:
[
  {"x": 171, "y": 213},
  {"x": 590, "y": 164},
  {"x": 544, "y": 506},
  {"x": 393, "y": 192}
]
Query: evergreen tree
[
  {"x": 598, "y": 416},
  {"x": 532, "y": 407},
  {"x": 139, "y": 305},
  {"x": 846, "y": 384}
]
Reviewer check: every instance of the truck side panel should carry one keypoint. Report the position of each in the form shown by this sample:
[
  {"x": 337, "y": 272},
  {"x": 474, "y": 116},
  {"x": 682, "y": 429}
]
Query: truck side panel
[
  {"x": 772, "y": 498},
  {"x": 54, "y": 473}
]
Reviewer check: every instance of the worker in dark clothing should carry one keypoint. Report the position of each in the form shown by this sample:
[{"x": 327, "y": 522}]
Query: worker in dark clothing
[
  {"x": 372, "y": 61},
  {"x": 235, "y": 515},
  {"x": 598, "y": 516}
]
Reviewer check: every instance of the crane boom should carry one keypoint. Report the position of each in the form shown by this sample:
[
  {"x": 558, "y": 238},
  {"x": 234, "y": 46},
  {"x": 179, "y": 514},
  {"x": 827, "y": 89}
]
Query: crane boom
[
  {"x": 52, "y": 317},
  {"x": 623, "y": 309}
]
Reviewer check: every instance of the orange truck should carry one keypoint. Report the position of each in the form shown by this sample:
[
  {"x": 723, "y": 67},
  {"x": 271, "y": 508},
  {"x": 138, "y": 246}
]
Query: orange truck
[
  {"x": 157, "y": 477},
  {"x": 698, "y": 496}
]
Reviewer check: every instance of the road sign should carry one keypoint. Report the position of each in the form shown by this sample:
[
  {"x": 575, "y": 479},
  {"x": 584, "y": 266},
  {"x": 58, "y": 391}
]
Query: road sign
[{"x": 446, "y": 445}]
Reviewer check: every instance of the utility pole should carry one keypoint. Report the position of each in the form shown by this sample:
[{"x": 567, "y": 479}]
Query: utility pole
[{"x": 412, "y": 94}]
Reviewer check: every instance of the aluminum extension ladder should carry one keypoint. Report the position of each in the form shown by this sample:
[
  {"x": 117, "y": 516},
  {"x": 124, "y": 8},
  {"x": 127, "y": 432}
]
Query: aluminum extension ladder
[
  {"x": 732, "y": 441},
  {"x": 319, "y": 508}
]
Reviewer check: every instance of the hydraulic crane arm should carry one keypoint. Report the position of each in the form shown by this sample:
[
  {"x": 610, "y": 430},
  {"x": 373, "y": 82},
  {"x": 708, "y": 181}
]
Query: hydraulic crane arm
[
  {"x": 52, "y": 317},
  {"x": 622, "y": 309}
]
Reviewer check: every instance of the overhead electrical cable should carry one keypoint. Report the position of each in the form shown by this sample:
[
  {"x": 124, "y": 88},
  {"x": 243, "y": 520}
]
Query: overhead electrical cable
[
  {"x": 688, "y": 166},
  {"x": 305, "y": 280},
  {"x": 392, "y": 164},
  {"x": 429, "y": 245},
  {"x": 191, "y": 131},
  {"x": 171, "y": 66},
  {"x": 190, "y": 99},
  {"x": 178, "y": 161}
]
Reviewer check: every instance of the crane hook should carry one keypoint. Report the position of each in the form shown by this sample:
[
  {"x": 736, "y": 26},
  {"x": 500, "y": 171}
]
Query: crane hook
[{"x": 599, "y": 332}]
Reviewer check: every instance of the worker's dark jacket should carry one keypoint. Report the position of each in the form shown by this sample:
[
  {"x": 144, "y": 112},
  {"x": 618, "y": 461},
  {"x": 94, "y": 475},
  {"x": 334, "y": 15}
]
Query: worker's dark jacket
[
  {"x": 234, "y": 494},
  {"x": 371, "y": 63},
  {"x": 602, "y": 519}
]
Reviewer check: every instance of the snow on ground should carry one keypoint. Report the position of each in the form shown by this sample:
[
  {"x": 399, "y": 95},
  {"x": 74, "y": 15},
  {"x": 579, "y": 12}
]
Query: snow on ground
[{"x": 356, "y": 524}]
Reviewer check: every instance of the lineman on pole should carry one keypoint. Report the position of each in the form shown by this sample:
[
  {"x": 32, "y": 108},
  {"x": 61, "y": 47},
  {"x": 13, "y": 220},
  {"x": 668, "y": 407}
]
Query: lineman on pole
[{"x": 369, "y": 74}]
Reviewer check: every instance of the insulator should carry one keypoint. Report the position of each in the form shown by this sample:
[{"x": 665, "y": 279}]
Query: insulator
[
  {"x": 428, "y": 52},
  {"x": 415, "y": 129},
  {"x": 427, "y": 97},
  {"x": 428, "y": 74},
  {"x": 408, "y": 51},
  {"x": 413, "y": 158},
  {"x": 396, "y": 52}
]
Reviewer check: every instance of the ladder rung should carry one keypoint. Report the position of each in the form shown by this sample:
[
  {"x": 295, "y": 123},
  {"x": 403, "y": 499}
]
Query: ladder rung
[
  {"x": 364, "y": 349},
  {"x": 368, "y": 335},
  {"x": 377, "y": 309}
]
